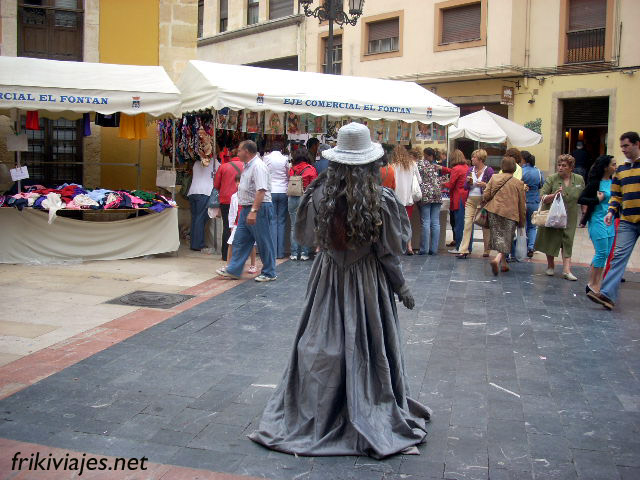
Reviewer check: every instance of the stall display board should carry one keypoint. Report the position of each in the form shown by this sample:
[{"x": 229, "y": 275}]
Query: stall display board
[{"x": 27, "y": 237}]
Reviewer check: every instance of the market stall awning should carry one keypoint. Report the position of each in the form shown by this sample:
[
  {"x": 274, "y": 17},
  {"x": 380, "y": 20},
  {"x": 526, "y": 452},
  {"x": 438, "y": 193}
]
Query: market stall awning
[
  {"x": 217, "y": 86},
  {"x": 484, "y": 126},
  {"x": 80, "y": 87}
]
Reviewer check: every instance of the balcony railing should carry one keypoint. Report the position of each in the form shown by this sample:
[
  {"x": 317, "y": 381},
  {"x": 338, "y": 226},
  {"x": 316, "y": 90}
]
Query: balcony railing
[{"x": 585, "y": 45}]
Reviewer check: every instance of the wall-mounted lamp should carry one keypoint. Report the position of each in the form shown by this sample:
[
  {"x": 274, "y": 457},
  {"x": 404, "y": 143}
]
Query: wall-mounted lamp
[
  {"x": 566, "y": 134},
  {"x": 580, "y": 134},
  {"x": 531, "y": 100}
]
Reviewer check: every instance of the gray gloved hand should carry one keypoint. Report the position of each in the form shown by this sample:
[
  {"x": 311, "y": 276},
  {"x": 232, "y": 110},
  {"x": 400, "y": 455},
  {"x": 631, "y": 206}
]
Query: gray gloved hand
[{"x": 406, "y": 298}]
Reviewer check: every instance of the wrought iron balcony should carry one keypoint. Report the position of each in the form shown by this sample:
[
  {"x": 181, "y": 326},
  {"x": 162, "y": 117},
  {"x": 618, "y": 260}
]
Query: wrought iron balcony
[{"x": 586, "y": 45}]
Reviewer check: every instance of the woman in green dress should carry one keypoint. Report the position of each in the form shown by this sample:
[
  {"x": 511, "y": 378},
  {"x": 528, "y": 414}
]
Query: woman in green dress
[{"x": 550, "y": 240}]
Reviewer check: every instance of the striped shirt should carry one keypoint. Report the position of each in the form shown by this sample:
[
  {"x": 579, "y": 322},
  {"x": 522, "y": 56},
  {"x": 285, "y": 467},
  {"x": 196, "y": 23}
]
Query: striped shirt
[{"x": 625, "y": 192}]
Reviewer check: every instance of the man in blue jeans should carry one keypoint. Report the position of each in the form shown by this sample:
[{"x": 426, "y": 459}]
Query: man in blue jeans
[
  {"x": 255, "y": 219},
  {"x": 625, "y": 203}
]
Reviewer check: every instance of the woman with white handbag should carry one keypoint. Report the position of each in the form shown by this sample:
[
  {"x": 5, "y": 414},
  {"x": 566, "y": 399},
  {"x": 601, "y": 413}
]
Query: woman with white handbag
[
  {"x": 407, "y": 175},
  {"x": 550, "y": 240}
]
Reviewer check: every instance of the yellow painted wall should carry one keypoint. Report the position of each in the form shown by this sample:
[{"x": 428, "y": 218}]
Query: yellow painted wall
[
  {"x": 129, "y": 32},
  {"x": 624, "y": 111}
]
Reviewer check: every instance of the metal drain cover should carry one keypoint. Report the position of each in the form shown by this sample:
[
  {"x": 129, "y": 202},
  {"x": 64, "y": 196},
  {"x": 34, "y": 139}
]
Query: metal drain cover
[{"x": 141, "y": 298}]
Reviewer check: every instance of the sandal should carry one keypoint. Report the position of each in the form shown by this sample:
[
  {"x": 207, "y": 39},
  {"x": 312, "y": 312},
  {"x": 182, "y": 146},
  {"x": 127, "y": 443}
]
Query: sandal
[{"x": 494, "y": 267}]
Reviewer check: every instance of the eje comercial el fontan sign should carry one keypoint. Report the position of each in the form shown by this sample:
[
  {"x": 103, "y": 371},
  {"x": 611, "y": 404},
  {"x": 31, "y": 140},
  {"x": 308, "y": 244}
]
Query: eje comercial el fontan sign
[
  {"x": 349, "y": 106},
  {"x": 44, "y": 97}
]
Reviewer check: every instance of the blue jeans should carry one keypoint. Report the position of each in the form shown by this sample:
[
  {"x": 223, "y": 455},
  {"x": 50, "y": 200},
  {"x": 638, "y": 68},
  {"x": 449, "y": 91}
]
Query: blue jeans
[
  {"x": 296, "y": 248},
  {"x": 532, "y": 230},
  {"x": 247, "y": 235},
  {"x": 627, "y": 236},
  {"x": 279, "y": 201},
  {"x": 199, "y": 219},
  {"x": 458, "y": 229},
  {"x": 430, "y": 220}
]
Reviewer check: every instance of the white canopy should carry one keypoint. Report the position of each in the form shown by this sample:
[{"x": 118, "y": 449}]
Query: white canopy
[
  {"x": 484, "y": 126},
  {"x": 80, "y": 87},
  {"x": 215, "y": 85}
]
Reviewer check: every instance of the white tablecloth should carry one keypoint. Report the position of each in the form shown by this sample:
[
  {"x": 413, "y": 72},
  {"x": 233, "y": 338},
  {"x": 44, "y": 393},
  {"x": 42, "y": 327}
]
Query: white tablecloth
[{"x": 26, "y": 237}]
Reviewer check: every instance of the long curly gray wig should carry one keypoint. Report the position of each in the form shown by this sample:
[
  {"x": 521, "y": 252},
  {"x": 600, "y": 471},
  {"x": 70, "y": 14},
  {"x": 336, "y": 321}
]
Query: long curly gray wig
[{"x": 349, "y": 212}]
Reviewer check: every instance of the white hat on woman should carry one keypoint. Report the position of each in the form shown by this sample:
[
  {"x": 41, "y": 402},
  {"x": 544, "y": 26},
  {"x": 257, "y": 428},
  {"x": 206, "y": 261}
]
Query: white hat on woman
[{"x": 354, "y": 146}]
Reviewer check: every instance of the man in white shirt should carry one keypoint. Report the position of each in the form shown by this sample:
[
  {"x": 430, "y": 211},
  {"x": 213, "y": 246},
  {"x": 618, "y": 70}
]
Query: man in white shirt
[
  {"x": 255, "y": 219},
  {"x": 279, "y": 169}
]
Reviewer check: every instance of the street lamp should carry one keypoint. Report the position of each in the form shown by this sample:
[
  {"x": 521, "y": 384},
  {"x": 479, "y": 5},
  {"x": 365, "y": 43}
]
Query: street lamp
[{"x": 331, "y": 11}]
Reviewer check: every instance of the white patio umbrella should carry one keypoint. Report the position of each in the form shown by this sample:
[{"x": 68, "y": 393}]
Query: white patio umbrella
[{"x": 484, "y": 126}]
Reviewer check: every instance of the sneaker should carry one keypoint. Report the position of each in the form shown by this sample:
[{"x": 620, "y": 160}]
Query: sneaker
[
  {"x": 530, "y": 253},
  {"x": 603, "y": 300},
  {"x": 293, "y": 257},
  {"x": 207, "y": 251},
  {"x": 264, "y": 278},
  {"x": 454, "y": 251},
  {"x": 223, "y": 273},
  {"x": 304, "y": 258},
  {"x": 569, "y": 276},
  {"x": 550, "y": 272},
  {"x": 451, "y": 244},
  {"x": 253, "y": 269}
]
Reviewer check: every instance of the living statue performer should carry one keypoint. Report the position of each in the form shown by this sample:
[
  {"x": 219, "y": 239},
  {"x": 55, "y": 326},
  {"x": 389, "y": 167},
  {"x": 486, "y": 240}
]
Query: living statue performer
[{"x": 345, "y": 390}]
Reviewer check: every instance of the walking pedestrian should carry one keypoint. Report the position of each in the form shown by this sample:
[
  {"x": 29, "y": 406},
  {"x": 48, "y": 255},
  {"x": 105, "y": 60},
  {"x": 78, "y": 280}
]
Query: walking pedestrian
[
  {"x": 345, "y": 389},
  {"x": 234, "y": 209},
  {"x": 430, "y": 203},
  {"x": 225, "y": 183},
  {"x": 551, "y": 240},
  {"x": 533, "y": 180},
  {"x": 596, "y": 197},
  {"x": 477, "y": 178},
  {"x": 505, "y": 203},
  {"x": 279, "y": 170},
  {"x": 457, "y": 196},
  {"x": 254, "y": 224},
  {"x": 387, "y": 174},
  {"x": 405, "y": 169},
  {"x": 300, "y": 167},
  {"x": 625, "y": 203}
]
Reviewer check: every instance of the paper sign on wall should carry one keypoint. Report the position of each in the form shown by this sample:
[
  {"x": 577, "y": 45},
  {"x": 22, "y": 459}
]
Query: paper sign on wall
[
  {"x": 19, "y": 173},
  {"x": 17, "y": 143}
]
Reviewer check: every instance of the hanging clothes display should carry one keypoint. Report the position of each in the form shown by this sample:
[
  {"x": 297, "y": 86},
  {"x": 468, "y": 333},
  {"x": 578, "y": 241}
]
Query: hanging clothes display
[
  {"x": 33, "y": 121},
  {"x": 133, "y": 127},
  {"x": 111, "y": 120}
]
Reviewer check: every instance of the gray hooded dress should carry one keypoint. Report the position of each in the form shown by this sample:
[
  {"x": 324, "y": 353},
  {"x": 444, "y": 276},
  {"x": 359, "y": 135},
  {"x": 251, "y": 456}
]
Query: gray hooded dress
[{"x": 345, "y": 391}]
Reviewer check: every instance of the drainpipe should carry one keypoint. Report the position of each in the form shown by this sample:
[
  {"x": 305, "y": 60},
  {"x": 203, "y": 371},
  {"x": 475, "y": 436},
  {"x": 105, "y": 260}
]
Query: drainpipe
[{"x": 527, "y": 42}]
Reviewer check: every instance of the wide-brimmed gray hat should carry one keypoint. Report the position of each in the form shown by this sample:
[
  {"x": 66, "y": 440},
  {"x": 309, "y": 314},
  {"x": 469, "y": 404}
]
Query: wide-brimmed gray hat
[{"x": 354, "y": 146}]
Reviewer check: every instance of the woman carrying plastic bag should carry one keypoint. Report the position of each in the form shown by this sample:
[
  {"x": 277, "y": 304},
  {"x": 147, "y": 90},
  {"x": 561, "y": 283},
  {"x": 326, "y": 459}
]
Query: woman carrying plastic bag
[{"x": 560, "y": 192}]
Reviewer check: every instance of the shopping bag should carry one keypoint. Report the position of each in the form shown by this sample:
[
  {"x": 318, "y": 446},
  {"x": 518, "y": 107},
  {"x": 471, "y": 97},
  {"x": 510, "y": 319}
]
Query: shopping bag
[
  {"x": 482, "y": 218},
  {"x": 557, "y": 214},
  {"x": 521, "y": 245},
  {"x": 166, "y": 178},
  {"x": 416, "y": 191},
  {"x": 214, "y": 198}
]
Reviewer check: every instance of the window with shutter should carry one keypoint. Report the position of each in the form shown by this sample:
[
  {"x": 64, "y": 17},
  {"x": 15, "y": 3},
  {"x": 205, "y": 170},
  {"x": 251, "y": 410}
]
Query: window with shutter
[
  {"x": 280, "y": 8},
  {"x": 200, "y": 17},
  {"x": 224, "y": 15},
  {"x": 586, "y": 31},
  {"x": 51, "y": 29},
  {"x": 253, "y": 9},
  {"x": 383, "y": 36},
  {"x": 461, "y": 24},
  {"x": 337, "y": 55}
]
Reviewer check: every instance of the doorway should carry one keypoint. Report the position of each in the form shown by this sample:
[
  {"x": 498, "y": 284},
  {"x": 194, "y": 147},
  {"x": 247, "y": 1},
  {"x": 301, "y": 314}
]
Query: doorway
[{"x": 585, "y": 120}]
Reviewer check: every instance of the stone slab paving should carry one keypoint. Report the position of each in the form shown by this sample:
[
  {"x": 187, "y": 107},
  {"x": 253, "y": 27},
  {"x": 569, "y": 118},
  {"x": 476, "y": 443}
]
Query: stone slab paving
[{"x": 526, "y": 378}]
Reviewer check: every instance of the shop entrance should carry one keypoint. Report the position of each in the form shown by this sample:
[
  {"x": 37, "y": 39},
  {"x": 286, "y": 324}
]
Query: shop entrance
[{"x": 585, "y": 120}]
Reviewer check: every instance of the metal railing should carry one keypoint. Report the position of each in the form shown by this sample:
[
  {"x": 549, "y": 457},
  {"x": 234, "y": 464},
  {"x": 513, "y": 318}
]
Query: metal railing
[{"x": 586, "y": 45}]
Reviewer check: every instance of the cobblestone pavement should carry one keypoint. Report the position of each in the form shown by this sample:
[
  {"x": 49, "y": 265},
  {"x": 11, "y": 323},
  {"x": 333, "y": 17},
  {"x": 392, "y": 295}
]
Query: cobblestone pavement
[{"x": 526, "y": 378}]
